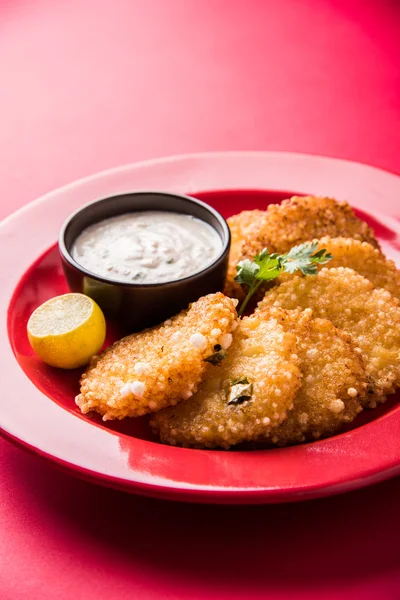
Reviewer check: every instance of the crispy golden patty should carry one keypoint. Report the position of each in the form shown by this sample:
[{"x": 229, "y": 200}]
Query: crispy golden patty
[
  {"x": 333, "y": 383},
  {"x": 263, "y": 360},
  {"x": 240, "y": 226},
  {"x": 161, "y": 366},
  {"x": 301, "y": 219},
  {"x": 365, "y": 259},
  {"x": 371, "y": 317}
]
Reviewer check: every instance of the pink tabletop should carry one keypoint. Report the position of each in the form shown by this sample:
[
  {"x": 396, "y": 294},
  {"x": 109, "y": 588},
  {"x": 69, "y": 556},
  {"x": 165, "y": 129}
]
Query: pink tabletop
[{"x": 89, "y": 84}]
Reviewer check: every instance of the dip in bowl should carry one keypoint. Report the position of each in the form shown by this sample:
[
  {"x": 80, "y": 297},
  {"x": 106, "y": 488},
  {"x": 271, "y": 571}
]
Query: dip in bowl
[{"x": 144, "y": 256}]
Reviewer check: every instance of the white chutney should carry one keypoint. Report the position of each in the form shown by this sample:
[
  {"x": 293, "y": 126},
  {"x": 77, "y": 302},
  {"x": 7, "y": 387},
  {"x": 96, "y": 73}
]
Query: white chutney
[{"x": 147, "y": 247}]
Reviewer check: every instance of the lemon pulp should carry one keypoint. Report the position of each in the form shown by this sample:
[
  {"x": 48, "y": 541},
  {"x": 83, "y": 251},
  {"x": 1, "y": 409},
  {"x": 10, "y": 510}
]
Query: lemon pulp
[{"x": 66, "y": 331}]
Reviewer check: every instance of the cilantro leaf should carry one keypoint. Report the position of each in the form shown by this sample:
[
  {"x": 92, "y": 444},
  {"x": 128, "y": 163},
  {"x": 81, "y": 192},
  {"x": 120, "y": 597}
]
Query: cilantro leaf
[
  {"x": 219, "y": 355},
  {"x": 322, "y": 257},
  {"x": 298, "y": 258},
  {"x": 266, "y": 266},
  {"x": 247, "y": 272},
  {"x": 240, "y": 391},
  {"x": 239, "y": 380},
  {"x": 304, "y": 258},
  {"x": 302, "y": 250},
  {"x": 270, "y": 265}
]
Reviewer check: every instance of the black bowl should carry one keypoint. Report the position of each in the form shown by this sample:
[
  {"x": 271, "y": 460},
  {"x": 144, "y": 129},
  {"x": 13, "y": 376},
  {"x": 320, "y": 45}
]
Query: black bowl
[{"x": 136, "y": 306}]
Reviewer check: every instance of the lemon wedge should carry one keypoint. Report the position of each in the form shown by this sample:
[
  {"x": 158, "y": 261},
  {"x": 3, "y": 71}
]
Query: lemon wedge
[{"x": 67, "y": 330}]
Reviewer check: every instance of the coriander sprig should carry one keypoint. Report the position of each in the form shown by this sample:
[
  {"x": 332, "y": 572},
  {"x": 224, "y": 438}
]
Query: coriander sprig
[{"x": 266, "y": 266}]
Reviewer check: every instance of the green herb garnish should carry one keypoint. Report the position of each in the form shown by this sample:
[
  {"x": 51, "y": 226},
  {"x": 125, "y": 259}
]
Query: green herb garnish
[
  {"x": 302, "y": 258},
  {"x": 266, "y": 266},
  {"x": 240, "y": 391},
  {"x": 239, "y": 380},
  {"x": 218, "y": 356},
  {"x": 138, "y": 275}
]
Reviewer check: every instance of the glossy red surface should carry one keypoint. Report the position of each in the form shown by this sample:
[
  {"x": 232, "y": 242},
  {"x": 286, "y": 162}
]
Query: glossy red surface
[
  {"x": 89, "y": 85},
  {"x": 38, "y": 409},
  {"x": 45, "y": 279}
]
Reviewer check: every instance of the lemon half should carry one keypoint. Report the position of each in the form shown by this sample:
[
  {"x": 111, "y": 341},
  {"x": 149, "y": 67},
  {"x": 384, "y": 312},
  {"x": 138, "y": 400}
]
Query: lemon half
[{"x": 67, "y": 330}]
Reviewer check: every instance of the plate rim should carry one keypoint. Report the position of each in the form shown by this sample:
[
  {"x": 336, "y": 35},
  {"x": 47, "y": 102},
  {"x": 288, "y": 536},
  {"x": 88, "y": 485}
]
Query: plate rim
[
  {"x": 199, "y": 493},
  {"x": 190, "y": 155}
]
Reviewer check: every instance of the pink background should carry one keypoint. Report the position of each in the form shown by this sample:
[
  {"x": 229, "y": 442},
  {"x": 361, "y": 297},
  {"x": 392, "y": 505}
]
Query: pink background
[{"x": 87, "y": 85}]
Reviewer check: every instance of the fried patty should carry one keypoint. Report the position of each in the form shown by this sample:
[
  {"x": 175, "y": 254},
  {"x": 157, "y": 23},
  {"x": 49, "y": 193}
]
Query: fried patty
[
  {"x": 365, "y": 259},
  {"x": 301, "y": 219},
  {"x": 370, "y": 316},
  {"x": 263, "y": 360},
  {"x": 158, "y": 367},
  {"x": 333, "y": 384},
  {"x": 240, "y": 226}
]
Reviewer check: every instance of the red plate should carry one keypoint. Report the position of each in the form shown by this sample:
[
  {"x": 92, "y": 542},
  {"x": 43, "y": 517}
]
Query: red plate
[{"x": 37, "y": 405}]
